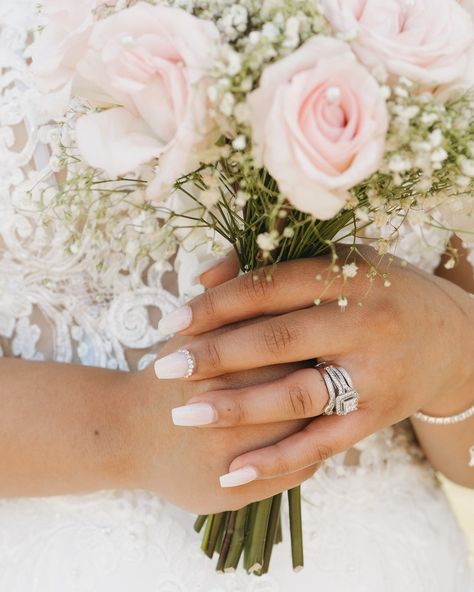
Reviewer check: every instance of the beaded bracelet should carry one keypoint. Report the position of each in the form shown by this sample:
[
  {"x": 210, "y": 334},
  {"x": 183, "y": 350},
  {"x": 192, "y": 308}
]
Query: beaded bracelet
[{"x": 450, "y": 419}]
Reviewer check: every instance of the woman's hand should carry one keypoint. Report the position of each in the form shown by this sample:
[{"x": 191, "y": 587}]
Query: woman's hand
[
  {"x": 184, "y": 465},
  {"x": 405, "y": 347}
]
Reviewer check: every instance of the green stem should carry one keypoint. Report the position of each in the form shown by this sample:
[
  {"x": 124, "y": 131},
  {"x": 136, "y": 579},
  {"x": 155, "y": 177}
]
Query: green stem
[
  {"x": 228, "y": 534},
  {"x": 238, "y": 540},
  {"x": 207, "y": 532},
  {"x": 273, "y": 522},
  {"x": 279, "y": 532},
  {"x": 249, "y": 526},
  {"x": 258, "y": 533},
  {"x": 222, "y": 531},
  {"x": 296, "y": 528},
  {"x": 199, "y": 523},
  {"x": 214, "y": 534}
]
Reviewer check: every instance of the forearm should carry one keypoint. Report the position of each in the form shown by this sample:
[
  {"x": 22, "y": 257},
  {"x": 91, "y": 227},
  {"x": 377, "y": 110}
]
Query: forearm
[{"x": 62, "y": 428}]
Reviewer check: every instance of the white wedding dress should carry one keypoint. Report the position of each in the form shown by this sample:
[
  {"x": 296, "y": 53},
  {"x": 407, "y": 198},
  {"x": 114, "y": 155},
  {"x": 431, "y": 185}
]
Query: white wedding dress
[{"x": 375, "y": 519}]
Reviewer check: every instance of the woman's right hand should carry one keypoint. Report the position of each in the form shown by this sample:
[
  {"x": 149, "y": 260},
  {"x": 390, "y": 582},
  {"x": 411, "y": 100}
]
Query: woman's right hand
[{"x": 183, "y": 464}]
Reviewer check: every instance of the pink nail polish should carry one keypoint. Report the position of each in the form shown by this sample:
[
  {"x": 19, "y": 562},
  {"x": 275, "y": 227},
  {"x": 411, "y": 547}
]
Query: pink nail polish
[
  {"x": 178, "y": 320},
  {"x": 238, "y": 477},
  {"x": 179, "y": 364},
  {"x": 194, "y": 414}
]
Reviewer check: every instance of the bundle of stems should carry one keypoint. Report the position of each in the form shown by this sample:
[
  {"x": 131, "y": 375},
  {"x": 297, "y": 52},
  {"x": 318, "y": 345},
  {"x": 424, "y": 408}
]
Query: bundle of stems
[{"x": 253, "y": 530}]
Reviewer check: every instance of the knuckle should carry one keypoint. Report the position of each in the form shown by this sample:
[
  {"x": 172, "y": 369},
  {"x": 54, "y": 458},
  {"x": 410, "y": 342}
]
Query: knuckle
[
  {"x": 300, "y": 400},
  {"x": 213, "y": 354},
  {"x": 320, "y": 452},
  {"x": 233, "y": 411},
  {"x": 278, "y": 338},
  {"x": 208, "y": 303},
  {"x": 258, "y": 286},
  {"x": 281, "y": 463},
  {"x": 385, "y": 317}
]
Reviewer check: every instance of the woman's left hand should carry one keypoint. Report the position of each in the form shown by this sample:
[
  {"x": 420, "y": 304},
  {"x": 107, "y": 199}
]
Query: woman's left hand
[{"x": 404, "y": 346}]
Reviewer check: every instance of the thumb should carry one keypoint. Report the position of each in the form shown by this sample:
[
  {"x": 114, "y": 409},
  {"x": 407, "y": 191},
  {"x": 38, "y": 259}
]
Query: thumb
[{"x": 223, "y": 271}]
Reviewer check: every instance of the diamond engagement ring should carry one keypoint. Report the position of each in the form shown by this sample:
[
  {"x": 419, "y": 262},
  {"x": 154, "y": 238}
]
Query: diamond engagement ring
[{"x": 343, "y": 398}]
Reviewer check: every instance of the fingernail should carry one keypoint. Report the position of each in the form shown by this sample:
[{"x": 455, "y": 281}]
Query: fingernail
[
  {"x": 176, "y": 321},
  {"x": 180, "y": 364},
  {"x": 238, "y": 477},
  {"x": 206, "y": 266},
  {"x": 194, "y": 414}
]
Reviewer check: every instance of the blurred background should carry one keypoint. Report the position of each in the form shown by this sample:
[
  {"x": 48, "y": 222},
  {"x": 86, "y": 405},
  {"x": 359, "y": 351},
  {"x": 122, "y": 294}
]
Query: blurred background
[{"x": 462, "y": 501}]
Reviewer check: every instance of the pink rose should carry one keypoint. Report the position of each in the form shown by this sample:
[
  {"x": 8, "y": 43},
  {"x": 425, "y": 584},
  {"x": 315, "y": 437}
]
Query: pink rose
[
  {"x": 62, "y": 42},
  {"x": 319, "y": 122},
  {"x": 426, "y": 41},
  {"x": 149, "y": 63}
]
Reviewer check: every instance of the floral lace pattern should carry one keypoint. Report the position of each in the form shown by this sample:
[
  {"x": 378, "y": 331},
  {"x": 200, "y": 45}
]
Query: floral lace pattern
[{"x": 380, "y": 522}]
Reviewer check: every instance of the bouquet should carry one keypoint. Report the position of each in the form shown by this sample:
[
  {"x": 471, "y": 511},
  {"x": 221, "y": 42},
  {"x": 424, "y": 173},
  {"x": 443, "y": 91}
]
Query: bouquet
[{"x": 278, "y": 127}]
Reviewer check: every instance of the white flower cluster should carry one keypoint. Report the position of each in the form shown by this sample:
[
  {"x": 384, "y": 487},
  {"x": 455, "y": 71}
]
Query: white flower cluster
[
  {"x": 429, "y": 159},
  {"x": 254, "y": 34}
]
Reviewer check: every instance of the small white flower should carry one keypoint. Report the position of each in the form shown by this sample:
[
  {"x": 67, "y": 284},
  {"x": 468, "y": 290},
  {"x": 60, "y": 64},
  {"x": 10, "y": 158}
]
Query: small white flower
[
  {"x": 239, "y": 143},
  {"x": 241, "y": 112},
  {"x": 242, "y": 198},
  {"x": 349, "y": 270},
  {"x": 429, "y": 118},
  {"x": 268, "y": 241},
  {"x": 227, "y": 104},
  {"x": 247, "y": 84},
  {"x": 270, "y": 32},
  {"x": 288, "y": 232},
  {"x": 463, "y": 182},
  {"x": 467, "y": 166},
  {"x": 450, "y": 263},
  {"x": 343, "y": 302},
  {"x": 439, "y": 155},
  {"x": 436, "y": 138},
  {"x": 399, "y": 164}
]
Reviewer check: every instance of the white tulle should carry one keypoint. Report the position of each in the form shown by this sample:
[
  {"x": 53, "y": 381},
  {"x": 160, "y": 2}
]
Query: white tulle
[{"x": 374, "y": 518}]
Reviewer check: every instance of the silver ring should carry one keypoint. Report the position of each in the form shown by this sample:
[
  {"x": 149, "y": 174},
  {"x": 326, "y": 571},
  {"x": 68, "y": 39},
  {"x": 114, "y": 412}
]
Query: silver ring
[{"x": 343, "y": 398}]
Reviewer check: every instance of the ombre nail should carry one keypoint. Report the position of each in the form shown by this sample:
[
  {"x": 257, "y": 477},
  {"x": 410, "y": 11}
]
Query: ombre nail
[
  {"x": 180, "y": 364},
  {"x": 238, "y": 477},
  {"x": 194, "y": 414},
  {"x": 178, "y": 320}
]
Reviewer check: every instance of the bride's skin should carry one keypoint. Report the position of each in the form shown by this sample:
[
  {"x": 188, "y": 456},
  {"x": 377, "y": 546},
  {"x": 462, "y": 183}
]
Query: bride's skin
[
  {"x": 409, "y": 346},
  {"x": 68, "y": 429}
]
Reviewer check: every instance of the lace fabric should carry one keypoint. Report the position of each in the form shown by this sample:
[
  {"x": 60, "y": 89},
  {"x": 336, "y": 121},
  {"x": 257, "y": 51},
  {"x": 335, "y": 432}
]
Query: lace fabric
[{"x": 375, "y": 518}]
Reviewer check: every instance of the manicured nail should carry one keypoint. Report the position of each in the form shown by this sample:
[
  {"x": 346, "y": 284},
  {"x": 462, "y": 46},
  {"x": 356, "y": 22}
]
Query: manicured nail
[
  {"x": 180, "y": 364},
  {"x": 194, "y": 414},
  {"x": 176, "y": 321},
  {"x": 238, "y": 477},
  {"x": 206, "y": 266}
]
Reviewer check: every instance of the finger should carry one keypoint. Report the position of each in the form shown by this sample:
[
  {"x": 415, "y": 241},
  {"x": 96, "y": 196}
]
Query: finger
[
  {"x": 254, "y": 491},
  {"x": 298, "y": 395},
  {"x": 297, "y": 336},
  {"x": 315, "y": 443},
  {"x": 271, "y": 290},
  {"x": 224, "y": 271}
]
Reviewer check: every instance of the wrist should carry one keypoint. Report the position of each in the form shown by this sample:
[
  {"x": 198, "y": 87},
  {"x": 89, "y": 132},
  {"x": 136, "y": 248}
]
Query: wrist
[
  {"x": 143, "y": 428},
  {"x": 111, "y": 420},
  {"x": 460, "y": 394}
]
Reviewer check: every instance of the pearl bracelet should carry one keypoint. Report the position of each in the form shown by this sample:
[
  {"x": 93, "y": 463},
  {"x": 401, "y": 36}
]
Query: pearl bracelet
[{"x": 450, "y": 419}]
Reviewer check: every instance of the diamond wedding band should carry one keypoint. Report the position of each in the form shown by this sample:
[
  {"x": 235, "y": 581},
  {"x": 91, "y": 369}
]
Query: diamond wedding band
[{"x": 343, "y": 398}]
